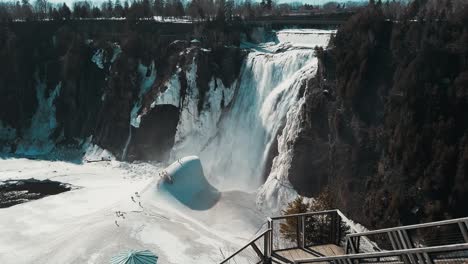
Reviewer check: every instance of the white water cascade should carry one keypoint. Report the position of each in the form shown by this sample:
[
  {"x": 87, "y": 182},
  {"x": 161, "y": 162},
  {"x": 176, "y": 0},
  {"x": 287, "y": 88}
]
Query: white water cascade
[
  {"x": 235, "y": 158},
  {"x": 127, "y": 143},
  {"x": 234, "y": 143}
]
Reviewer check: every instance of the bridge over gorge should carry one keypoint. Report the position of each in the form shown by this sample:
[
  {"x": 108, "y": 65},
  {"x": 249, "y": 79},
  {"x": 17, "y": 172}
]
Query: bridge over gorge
[
  {"x": 322, "y": 237},
  {"x": 318, "y": 20},
  {"x": 170, "y": 30}
]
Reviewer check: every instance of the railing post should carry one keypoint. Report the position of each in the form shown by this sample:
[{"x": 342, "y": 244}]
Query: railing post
[
  {"x": 268, "y": 242},
  {"x": 397, "y": 244},
  {"x": 463, "y": 228},
  {"x": 403, "y": 235},
  {"x": 338, "y": 228},
  {"x": 350, "y": 246},
  {"x": 298, "y": 231},
  {"x": 428, "y": 258},
  {"x": 302, "y": 232},
  {"x": 392, "y": 240},
  {"x": 358, "y": 244}
]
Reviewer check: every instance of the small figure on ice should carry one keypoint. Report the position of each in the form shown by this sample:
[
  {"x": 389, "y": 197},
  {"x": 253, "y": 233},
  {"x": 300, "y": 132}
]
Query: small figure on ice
[
  {"x": 166, "y": 177},
  {"x": 116, "y": 223},
  {"x": 133, "y": 200},
  {"x": 137, "y": 194}
]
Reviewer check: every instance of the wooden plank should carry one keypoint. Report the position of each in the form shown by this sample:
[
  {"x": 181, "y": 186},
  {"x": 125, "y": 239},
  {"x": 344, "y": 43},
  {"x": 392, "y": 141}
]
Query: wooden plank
[
  {"x": 298, "y": 253},
  {"x": 328, "y": 250}
]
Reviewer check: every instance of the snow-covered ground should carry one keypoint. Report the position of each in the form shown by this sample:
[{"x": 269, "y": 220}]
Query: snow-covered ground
[{"x": 81, "y": 226}]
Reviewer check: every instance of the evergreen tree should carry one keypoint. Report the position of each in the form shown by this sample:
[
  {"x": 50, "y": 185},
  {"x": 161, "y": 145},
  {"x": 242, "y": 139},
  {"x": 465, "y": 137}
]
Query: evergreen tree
[
  {"x": 158, "y": 7},
  {"x": 118, "y": 9},
  {"x": 40, "y": 7},
  {"x": 316, "y": 227},
  {"x": 65, "y": 12},
  {"x": 179, "y": 9},
  {"x": 96, "y": 12},
  {"x": 26, "y": 9},
  {"x": 125, "y": 8},
  {"x": 146, "y": 8}
]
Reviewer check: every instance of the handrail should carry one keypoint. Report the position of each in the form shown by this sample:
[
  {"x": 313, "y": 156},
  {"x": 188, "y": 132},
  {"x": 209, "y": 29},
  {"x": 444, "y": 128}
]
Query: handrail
[
  {"x": 252, "y": 241},
  {"x": 446, "y": 248},
  {"x": 423, "y": 225},
  {"x": 303, "y": 214}
]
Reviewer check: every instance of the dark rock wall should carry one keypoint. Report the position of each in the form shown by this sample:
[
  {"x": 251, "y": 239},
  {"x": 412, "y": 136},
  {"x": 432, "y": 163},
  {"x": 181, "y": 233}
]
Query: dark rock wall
[
  {"x": 385, "y": 124},
  {"x": 96, "y": 100}
]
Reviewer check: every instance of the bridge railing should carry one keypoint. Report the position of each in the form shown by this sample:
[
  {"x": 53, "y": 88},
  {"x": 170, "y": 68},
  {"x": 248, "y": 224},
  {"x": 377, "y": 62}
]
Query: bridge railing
[
  {"x": 447, "y": 254},
  {"x": 255, "y": 251},
  {"x": 454, "y": 231},
  {"x": 305, "y": 230}
]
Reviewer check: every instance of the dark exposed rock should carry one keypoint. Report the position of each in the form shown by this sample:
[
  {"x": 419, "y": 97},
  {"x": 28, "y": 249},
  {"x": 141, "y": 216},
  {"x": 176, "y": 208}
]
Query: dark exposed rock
[
  {"x": 13, "y": 192},
  {"x": 158, "y": 128},
  {"x": 97, "y": 97},
  {"x": 390, "y": 137}
]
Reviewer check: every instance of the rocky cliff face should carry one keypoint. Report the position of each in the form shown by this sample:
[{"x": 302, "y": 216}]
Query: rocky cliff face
[
  {"x": 384, "y": 123},
  {"x": 62, "y": 83}
]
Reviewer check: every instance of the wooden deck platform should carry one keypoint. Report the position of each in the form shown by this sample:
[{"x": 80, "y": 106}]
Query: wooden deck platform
[{"x": 290, "y": 255}]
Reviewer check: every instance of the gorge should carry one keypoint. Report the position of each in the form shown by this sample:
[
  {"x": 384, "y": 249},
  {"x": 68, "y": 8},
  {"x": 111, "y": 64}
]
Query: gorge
[{"x": 376, "y": 114}]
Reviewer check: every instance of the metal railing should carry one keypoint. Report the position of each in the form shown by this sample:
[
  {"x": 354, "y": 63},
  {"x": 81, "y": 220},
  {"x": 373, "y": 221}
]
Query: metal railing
[
  {"x": 448, "y": 254},
  {"x": 454, "y": 231},
  {"x": 290, "y": 231},
  {"x": 259, "y": 246},
  {"x": 428, "y": 243},
  {"x": 305, "y": 230}
]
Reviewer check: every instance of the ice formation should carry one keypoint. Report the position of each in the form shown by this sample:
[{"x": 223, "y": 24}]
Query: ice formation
[
  {"x": 36, "y": 140},
  {"x": 185, "y": 180}
]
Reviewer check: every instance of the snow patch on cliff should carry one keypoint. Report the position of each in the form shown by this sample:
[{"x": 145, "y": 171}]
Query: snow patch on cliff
[
  {"x": 147, "y": 75},
  {"x": 36, "y": 140},
  {"x": 98, "y": 58},
  {"x": 171, "y": 95},
  {"x": 93, "y": 152}
]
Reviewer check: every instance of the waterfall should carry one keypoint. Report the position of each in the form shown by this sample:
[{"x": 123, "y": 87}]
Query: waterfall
[
  {"x": 235, "y": 159},
  {"x": 233, "y": 141},
  {"x": 127, "y": 143},
  {"x": 237, "y": 126},
  {"x": 147, "y": 76}
]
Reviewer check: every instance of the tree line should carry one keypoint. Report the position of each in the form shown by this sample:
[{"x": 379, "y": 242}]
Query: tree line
[{"x": 141, "y": 9}]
